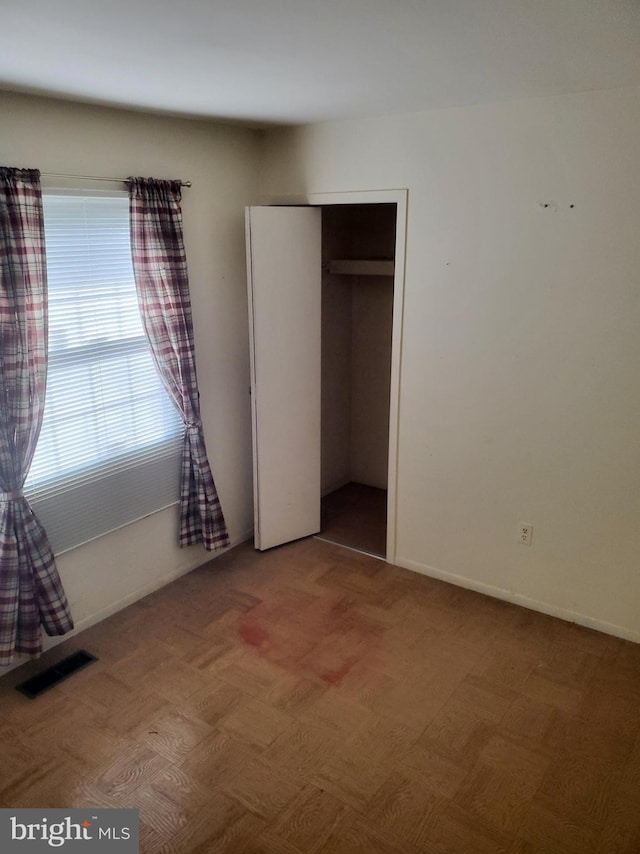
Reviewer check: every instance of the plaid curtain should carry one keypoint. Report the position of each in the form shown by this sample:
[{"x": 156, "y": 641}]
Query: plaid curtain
[
  {"x": 160, "y": 268},
  {"x": 31, "y": 593}
]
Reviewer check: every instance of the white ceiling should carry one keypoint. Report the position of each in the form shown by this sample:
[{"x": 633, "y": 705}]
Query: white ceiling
[{"x": 295, "y": 61}]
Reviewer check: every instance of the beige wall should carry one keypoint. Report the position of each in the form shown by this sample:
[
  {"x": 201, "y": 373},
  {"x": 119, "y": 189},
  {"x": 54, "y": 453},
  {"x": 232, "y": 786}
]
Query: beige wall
[
  {"x": 521, "y": 349},
  {"x": 357, "y": 313},
  {"x": 371, "y": 322},
  {"x": 336, "y": 356},
  {"x": 373, "y": 236},
  {"x": 56, "y": 136}
]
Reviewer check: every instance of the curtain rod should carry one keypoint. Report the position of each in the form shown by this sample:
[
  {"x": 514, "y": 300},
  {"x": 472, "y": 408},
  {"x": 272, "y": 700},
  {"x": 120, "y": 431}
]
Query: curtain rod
[{"x": 98, "y": 178}]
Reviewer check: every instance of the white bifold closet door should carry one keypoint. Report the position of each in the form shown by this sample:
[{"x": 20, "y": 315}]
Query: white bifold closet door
[{"x": 284, "y": 280}]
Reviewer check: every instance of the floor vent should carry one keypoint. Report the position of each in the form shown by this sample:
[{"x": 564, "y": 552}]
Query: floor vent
[{"x": 41, "y": 682}]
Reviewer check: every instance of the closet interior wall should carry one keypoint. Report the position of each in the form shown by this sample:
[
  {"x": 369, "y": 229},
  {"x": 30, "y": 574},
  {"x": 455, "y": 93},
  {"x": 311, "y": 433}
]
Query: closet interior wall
[{"x": 357, "y": 314}]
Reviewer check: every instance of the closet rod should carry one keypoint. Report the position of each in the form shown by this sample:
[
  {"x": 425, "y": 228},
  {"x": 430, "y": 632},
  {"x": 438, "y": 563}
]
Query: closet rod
[{"x": 98, "y": 178}]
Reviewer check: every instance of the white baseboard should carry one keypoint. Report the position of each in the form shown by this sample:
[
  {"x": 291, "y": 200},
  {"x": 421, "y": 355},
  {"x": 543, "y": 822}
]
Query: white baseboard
[
  {"x": 518, "y": 599},
  {"x": 113, "y": 608}
]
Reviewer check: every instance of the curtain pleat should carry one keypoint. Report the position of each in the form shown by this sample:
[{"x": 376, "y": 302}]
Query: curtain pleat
[
  {"x": 31, "y": 593},
  {"x": 160, "y": 269}
]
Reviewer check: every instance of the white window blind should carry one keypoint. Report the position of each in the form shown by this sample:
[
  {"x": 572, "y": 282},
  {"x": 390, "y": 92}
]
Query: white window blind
[{"x": 110, "y": 442}]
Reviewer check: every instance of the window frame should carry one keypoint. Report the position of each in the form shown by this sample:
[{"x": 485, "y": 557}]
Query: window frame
[{"x": 68, "y": 504}]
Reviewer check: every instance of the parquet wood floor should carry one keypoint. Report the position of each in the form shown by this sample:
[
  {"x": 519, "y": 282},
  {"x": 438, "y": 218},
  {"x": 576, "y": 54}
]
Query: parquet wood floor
[
  {"x": 356, "y": 516},
  {"x": 310, "y": 700}
]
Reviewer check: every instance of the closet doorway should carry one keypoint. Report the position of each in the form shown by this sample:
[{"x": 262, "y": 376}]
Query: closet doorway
[
  {"x": 326, "y": 283},
  {"x": 358, "y": 260}
]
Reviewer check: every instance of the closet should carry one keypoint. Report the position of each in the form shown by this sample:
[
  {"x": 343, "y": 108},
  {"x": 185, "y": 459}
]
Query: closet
[
  {"x": 321, "y": 296},
  {"x": 358, "y": 248}
]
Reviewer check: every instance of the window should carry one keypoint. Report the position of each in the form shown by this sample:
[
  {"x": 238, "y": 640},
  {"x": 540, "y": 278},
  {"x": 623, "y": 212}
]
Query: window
[{"x": 110, "y": 443}]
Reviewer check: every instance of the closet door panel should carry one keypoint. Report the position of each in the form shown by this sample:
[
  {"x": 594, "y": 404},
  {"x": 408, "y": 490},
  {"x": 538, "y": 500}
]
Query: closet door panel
[{"x": 284, "y": 266}]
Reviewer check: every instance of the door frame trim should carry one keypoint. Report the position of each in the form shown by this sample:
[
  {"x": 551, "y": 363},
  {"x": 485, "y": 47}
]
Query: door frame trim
[{"x": 399, "y": 197}]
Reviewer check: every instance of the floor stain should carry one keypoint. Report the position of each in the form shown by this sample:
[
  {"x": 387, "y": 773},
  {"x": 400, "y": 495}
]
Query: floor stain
[{"x": 324, "y": 638}]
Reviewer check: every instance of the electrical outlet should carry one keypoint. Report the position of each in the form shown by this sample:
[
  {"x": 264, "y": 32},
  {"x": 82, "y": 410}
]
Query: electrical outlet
[{"x": 525, "y": 533}]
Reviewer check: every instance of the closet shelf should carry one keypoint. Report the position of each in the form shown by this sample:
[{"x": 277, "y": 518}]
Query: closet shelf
[{"x": 361, "y": 267}]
